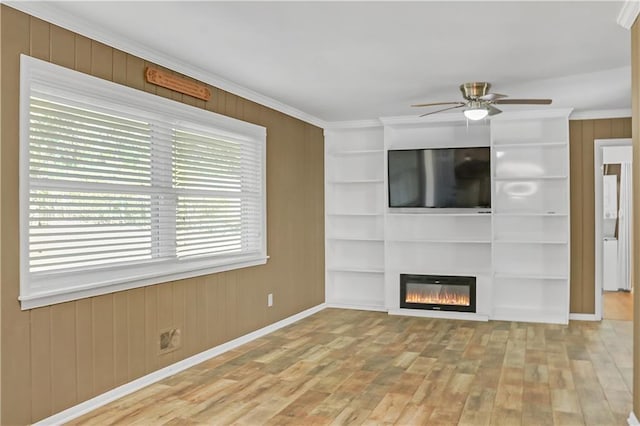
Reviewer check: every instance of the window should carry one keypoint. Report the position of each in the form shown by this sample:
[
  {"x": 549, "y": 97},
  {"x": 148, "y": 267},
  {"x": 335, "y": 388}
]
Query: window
[{"x": 120, "y": 188}]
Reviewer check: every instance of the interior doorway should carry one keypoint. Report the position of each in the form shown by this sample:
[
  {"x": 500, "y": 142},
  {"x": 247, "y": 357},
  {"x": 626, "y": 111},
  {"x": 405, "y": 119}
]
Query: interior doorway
[{"x": 613, "y": 229}]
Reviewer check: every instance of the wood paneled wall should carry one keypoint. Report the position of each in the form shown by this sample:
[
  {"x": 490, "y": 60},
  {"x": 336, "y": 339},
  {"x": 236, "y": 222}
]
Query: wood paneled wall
[
  {"x": 55, "y": 357},
  {"x": 581, "y": 136},
  {"x": 635, "y": 123}
]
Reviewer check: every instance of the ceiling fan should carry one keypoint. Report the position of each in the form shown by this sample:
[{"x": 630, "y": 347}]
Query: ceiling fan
[{"x": 480, "y": 103}]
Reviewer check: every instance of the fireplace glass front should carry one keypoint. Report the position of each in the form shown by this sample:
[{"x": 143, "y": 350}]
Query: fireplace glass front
[{"x": 438, "y": 292}]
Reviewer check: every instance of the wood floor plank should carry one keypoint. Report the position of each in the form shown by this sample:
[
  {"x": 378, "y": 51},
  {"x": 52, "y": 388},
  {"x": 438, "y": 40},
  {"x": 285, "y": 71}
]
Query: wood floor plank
[
  {"x": 475, "y": 418},
  {"x": 390, "y": 408},
  {"x": 506, "y": 417},
  {"x": 565, "y": 400},
  {"x": 351, "y": 416},
  {"x": 617, "y": 305},
  {"x": 535, "y": 414},
  {"x": 560, "y": 418},
  {"x": 367, "y": 368}
]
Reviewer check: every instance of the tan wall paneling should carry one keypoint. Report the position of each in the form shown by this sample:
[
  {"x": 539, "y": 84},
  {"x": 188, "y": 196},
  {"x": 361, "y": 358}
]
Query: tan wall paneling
[
  {"x": 103, "y": 342},
  {"x": 581, "y": 136},
  {"x": 121, "y": 338},
  {"x": 58, "y": 356},
  {"x": 84, "y": 349},
  {"x": 16, "y": 330},
  {"x": 575, "y": 178},
  {"x": 635, "y": 117},
  {"x": 136, "y": 332},
  {"x": 63, "y": 360}
]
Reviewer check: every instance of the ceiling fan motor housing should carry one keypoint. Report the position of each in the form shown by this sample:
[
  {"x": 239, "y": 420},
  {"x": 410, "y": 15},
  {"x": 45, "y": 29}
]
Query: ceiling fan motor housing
[{"x": 472, "y": 91}]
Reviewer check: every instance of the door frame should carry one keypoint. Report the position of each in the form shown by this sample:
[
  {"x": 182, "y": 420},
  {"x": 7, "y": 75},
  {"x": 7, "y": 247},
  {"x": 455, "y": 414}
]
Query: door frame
[{"x": 598, "y": 144}]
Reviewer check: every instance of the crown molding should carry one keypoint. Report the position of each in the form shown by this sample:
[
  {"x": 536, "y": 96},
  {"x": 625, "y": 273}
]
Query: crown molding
[
  {"x": 628, "y": 13},
  {"x": 447, "y": 117},
  {"x": 600, "y": 114},
  {"x": 50, "y": 13},
  {"x": 534, "y": 113},
  {"x": 354, "y": 124}
]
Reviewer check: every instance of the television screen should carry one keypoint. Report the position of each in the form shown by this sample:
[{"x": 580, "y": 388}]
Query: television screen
[{"x": 440, "y": 178}]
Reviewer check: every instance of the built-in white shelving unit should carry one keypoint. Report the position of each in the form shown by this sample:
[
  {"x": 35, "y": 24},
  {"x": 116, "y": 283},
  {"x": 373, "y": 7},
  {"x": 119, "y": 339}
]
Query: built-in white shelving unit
[
  {"x": 354, "y": 176},
  {"x": 518, "y": 250},
  {"x": 437, "y": 241},
  {"x": 530, "y": 165}
]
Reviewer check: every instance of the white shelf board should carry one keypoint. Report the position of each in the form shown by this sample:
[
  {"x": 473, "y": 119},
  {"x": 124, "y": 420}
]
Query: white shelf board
[
  {"x": 355, "y": 181},
  {"x": 529, "y": 276},
  {"x": 377, "y": 240},
  {"x": 356, "y": 152},
  {"x": 529, "y": 242},
  {"x": 355, "y": 270},
  {"x": 517, "y": 178},
  {"x": 354, "y": 214},
  {"x": 427, "y": 212},
  {"x": 498, "y": 144},
  {"x": 468, "y": 316},
  {"x": 530, "y": 214},
  {"x": 530, "y": 315},
  {"x": 440, "y": 241},
  {"x": 449, "y": 272}
]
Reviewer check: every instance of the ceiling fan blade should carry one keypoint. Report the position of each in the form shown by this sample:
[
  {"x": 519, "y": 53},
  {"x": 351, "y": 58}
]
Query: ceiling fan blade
[
  {"x": 523, "y": 101},
  {"x": 493, "y": 110},
  {"x": 445, "y": 109},
  {"x": 491, "y": 97},
  {"x": 438, "y": 103}
]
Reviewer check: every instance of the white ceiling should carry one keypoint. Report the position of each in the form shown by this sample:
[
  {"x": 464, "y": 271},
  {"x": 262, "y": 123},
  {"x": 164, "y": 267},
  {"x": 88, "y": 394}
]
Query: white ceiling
[{"x": 359, "y": 60}]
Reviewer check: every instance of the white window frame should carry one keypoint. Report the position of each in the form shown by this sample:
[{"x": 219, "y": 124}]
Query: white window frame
[{"x": 59, "y": 287}]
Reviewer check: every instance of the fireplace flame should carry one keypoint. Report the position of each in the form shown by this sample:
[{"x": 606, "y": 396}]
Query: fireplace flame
[{"x": 438, "y": 298}]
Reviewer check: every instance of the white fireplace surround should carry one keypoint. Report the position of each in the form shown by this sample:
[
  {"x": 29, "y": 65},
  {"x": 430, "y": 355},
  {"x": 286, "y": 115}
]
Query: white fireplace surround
[{"x": 518, "y": 250}]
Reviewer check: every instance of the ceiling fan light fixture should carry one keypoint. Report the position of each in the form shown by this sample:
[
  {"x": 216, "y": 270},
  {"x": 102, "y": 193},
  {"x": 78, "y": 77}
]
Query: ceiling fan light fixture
[
  {"x": 476, "y": 111},
  {"x": 478, "y": 102}
]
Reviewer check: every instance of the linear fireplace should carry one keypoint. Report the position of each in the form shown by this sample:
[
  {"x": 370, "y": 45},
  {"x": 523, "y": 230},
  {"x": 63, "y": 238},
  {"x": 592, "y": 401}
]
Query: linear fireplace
[{"x": 438, "y": 292}]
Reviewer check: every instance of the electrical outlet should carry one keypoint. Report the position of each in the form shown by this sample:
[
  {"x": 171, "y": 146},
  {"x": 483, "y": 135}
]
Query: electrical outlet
[
  {"x": 270, "y": 300},
  {"x": 170, "y": 340}
]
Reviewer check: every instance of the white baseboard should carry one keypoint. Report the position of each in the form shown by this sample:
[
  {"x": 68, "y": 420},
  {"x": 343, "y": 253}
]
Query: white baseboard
[
  {"x": 633, "y": 420},
  {"x": 356, "y": 307},
  {"x": 467, "y": 316},
  {"x": 107, "y": 397},
  {"x": 583, "y": 317}
]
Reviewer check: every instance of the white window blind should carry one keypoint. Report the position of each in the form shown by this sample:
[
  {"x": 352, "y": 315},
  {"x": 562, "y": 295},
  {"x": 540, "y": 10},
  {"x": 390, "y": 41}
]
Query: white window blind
[
  {"x": 121, "y": 189},
  {"x": 218, "y": 195}
]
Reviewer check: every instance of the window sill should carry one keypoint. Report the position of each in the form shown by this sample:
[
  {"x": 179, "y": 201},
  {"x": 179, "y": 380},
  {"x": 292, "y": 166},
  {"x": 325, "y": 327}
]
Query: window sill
[{"x": 49, "y": 297}]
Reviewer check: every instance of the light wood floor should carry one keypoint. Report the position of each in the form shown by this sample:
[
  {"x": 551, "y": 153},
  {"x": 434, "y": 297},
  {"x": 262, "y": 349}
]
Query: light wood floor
[
  {"x": 357, "y": 367},
  {"x": 618, "y": 305}
]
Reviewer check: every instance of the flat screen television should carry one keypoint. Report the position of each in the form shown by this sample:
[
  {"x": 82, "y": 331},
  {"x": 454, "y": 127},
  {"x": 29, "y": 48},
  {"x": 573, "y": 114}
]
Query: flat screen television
[{"x": 440, "y": 178}]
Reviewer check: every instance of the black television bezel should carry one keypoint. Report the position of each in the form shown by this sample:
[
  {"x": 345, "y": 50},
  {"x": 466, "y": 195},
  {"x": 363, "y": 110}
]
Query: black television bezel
[{"x": 481, "y": 209}]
